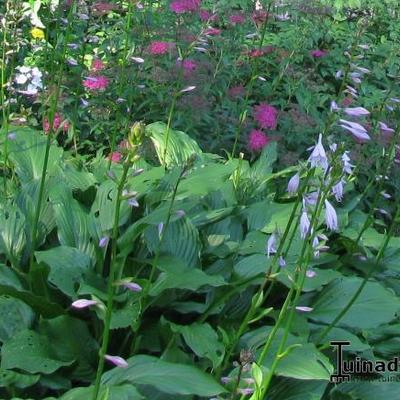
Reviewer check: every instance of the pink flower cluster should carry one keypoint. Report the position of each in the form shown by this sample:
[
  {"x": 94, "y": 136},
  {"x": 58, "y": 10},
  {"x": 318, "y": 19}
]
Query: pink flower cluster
[
  {"x": 159, "y": 48},
  {"x": 56, "y": 124},
  {"x": 183, "y": 6},
  {"x": 206, "y": 15},
  {"x": 94, "y": 82},
  {"x": 258, "y": 140},
  {"x": 97, "y": 65},
  {"x": 237, "y": 19},
  {"x": 189, "y": 66},
  {"x": 318, "y": 53},
  {"x": 266, "y": 116}
]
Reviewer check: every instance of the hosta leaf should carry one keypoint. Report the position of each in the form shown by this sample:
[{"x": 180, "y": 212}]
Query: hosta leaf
[
  {"x": 14, "y": 379},
  {"x": 187, "y": 250},
  {"x": 31, "y": 352},
  {"x": 179, "y": 146},
  {"x": 293, "y": 389},
  {"x": 12, "y": 233},
  {"x": 203, "y": 340},
  {"x": 366, "y": 391},
  {"x": 15, "y": 316},
  {"x": 27, "y": 152},
  {"x": 72, "y": 221},
  {"x": 125, "y": 316},
  {"x": 165, "y": 376},
  {"x": 68, "y": 266},
  {"x": 70, "y": 338},
  {"x": 122, "y": 392},
  {"x": 379, "y": 303}
]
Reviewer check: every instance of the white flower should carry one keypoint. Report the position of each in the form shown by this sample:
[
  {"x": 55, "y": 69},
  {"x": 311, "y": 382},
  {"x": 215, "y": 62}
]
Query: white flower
[{"x": 21, "y": 79}]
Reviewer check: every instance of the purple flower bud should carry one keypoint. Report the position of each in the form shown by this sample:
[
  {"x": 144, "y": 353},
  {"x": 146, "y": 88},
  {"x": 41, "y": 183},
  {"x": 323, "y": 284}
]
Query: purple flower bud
[
  {"x": 245, "y": 391},
  {"x": 293, "y": 184},
  {"x": 338, "y": 74},
  {"x": 117, "y": 361},
  {"x": 310, "y": 273},
  {"x": 138, "y": 60},
  {"x": 12, "y": 136},
  {"x": 356, "y": 111},
  {"x": 330, "y": 216},
  {"x": 132, "y": 286},
  {"x": 133, "y": 202},
  {"x": 311, "y": 199},
  {"x": 282, "y": 262},
  {"x": 103, "y": 242},
  {"x": 83, "y": 303},
  {"x": 160, "y": 228},
  {"x": 226, "y": 379},
  {"x": 304, "y": 309},
  {"x": 356, "y": 129},
  {"x": 334, "y": 106},
  {"x": 137, "y": 172},
  {"x": 271, "y": 244},
  {"x": 385, "y": 128}
]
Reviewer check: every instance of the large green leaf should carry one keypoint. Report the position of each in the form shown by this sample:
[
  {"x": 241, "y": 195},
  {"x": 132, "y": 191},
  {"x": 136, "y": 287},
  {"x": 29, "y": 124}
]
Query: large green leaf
[
  {"x": 27, "y": 151},
  {"x": 15, "y": 316},
  {"x": 187, "y": 250},
  {"x": 14, "y": 379},
  {"x": 294, "y": 389},
  {"x": 31, "y": 352},
  {"x": 179, "y": 146},
  {"x": 123, "y": 392},
  {"x": 68, "y": 267},
  {"x": 366, "y": 391},
  {"x": 165, "y": 376},
  {"x": 203, "y": 340},
  {"x": 375, "y": 301}
]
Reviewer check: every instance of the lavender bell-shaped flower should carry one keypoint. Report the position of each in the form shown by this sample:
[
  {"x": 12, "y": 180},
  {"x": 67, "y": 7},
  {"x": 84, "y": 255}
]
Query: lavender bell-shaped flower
[
  {"x": 293, "y": 184},
  {"x": 103, "y": 242},
  {"x": 330, "y": 216},
  {"x": 304, "y": 224},
  {"x": 347, "y": 166},
  {"x": 132, "y": 286},
  {"x": 356, "y": 129},
  {"x": 318, "y": 155},
  {"x": 356, "y": 111},
  {"x": 337, "y": 190}
]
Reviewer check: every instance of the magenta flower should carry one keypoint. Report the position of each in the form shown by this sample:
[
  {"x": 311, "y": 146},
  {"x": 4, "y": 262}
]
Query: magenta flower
[
  {"x": 266, "y": 116},
  {"x": 83, "y": 303},
  {"x": 257, "y": 140},
  {"x": 318, "y": 53},
  {"x": 117, "y": 361},
  {"x": 182, "y": 6},
  {"x": 115, "y": 156},
  {"x": 212, "y": 31},
  {"x": 97, "y": 65},
  {"x": 237, "y": 19},
  {"x": 159, "y": 48},
  {"x": 99, "y": 82},
  {"x": 206, "y": 15}
]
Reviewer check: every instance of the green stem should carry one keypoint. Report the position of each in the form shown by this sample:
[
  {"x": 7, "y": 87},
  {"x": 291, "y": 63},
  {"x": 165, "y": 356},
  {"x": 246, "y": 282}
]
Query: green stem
[{"x": 111, "y": 279}]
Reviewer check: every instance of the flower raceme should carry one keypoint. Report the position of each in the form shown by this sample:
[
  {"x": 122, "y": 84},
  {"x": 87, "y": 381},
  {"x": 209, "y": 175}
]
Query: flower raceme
[
  {"x": 96, "y": 83},
  {"x": 266, "y": 116}
]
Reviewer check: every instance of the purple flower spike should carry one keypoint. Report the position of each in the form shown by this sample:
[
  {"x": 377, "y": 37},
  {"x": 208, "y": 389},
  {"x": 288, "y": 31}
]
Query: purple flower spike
[
  {"x": 117, "y": 361},
  {"x": 134, "y": 287},
  {"x": 304, "y": 309},
  {"x": 83, "y": 303},
  {"x": 103, "y": 242}
]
